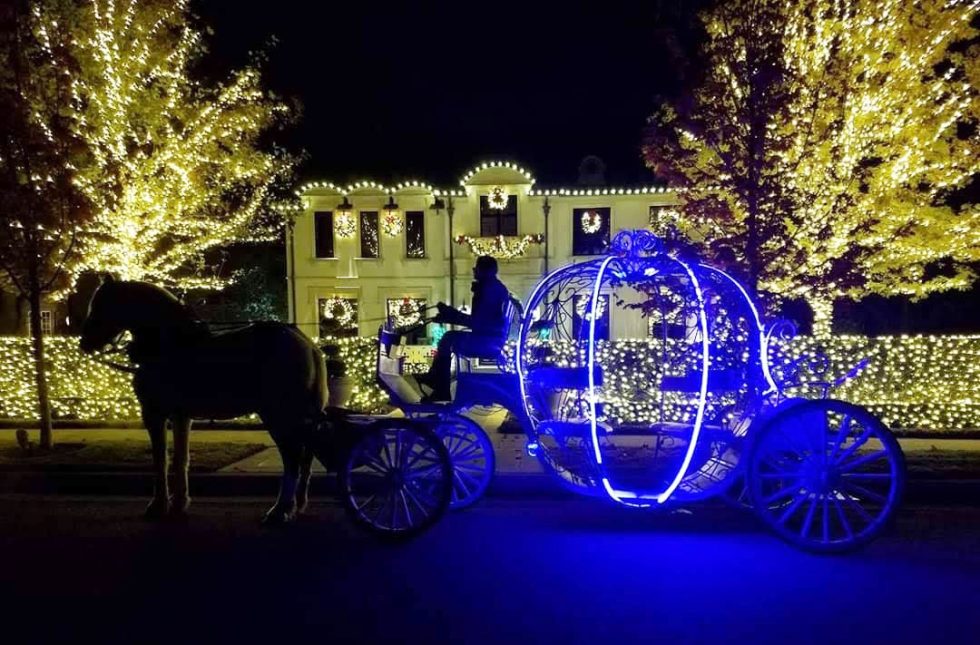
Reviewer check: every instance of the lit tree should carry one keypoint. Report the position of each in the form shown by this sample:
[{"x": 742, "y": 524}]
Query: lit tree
[
  {"x": 819, "y": 150},
  {"x": 178, "y": 166},
  {"x": 42, "y": 210}
]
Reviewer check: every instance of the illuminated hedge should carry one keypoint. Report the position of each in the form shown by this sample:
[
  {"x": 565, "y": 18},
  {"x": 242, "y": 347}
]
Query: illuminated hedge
[
  {"x": 925, "y": 382},
  {"x": 81, "y": 388}
]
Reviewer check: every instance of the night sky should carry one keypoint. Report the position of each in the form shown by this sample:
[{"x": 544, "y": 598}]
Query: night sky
[{"x": 426, "y": 90}]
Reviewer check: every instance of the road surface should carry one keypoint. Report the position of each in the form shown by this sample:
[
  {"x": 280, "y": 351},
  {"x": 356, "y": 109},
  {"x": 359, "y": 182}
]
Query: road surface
[{"x": 91, "y": 570}]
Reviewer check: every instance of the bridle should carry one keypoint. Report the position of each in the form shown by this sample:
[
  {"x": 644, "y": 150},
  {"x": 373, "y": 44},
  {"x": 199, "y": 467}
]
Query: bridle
[{"x": 117, "y": 346}]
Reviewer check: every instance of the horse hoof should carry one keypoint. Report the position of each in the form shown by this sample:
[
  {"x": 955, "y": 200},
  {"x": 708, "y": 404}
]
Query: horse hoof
[
  {"x": 301, "y": 506},
  {"x": 278, "y": 517},
  {"x": 157, "y": 509}
]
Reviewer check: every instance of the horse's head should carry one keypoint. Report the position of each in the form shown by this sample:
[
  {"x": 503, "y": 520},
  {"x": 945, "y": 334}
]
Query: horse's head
[{"x": 104, "y": 322}]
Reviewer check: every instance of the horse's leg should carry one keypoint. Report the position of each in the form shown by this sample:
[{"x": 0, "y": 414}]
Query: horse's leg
[
  {"x": 303, "y": 487},
  {"x": 182, "y": 460},
  {"x": 156, "y": 425},
  {"x": 288, "y": 439}
]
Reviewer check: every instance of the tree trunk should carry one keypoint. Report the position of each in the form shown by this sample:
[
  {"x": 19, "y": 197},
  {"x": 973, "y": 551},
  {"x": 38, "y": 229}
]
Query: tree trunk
[
  {"x": 823, "y": 314},
  {"x": 40, "y": 371}
]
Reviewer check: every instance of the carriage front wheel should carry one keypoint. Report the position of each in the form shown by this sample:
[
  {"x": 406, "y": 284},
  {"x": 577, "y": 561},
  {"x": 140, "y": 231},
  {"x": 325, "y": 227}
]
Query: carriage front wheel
[
  {"x": 825, "y": 475},
  {"x": 397, "y": 479}
]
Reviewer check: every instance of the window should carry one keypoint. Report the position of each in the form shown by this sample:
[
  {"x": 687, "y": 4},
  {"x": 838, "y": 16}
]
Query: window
[
  {"x": 581, "y": 317},
  {"x": 47, "y": 322},
  {"x": 323, "y": 234},
  {"x": 498, "y": 221},
  {"x": 370, "y": 248},
  {"x": 408, "y": 312},
  {"x": 338, "y": 316},
  {"x": 590, "y": 231},
  {"x": 415, "y": 234},
  {"x": 663, "y": 222}
]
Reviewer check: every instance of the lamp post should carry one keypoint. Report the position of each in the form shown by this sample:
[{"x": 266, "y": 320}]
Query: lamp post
[
  {"x": 391, "y": 208},
  {"x": 291, "y": 242},
  {"x": 546, "y": 209},
  {"x": 438, "y": 205},
  {"x": 345, "y": 207}
]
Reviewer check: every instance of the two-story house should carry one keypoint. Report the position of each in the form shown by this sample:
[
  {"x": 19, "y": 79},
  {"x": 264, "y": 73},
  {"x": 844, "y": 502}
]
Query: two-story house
[{"x": 362, "y": 252}]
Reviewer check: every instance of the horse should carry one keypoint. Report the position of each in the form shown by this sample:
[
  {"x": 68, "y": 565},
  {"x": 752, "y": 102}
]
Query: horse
[{"x": 184, "y": 371}]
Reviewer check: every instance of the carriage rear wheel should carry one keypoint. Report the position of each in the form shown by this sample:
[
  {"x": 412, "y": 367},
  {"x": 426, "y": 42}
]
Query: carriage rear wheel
[
  {"x": 473, "y": 458},
  {"x": 397, "y": 479},
  {"x": 826, "y": 475}
]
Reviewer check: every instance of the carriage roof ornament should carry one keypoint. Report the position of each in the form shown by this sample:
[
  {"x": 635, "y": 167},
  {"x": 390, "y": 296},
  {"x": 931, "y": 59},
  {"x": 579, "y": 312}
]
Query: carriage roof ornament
[{"x": 636, "y": 242}]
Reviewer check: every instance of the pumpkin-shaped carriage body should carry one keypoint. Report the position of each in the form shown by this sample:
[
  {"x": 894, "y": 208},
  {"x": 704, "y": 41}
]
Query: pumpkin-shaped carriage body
[{"x": 645, "y": 378}]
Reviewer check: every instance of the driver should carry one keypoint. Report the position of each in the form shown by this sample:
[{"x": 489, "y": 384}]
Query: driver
[{"x": 487, "y": 324}]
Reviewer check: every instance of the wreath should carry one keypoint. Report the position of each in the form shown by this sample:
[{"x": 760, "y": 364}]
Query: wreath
[
  {"x": 497, "y": 199},
  {"x": 392, "y": 224},
  {"x": 591, "y": 222},
  {"x": 344, "y": 226},
  {"x": 340, "y": 310}
]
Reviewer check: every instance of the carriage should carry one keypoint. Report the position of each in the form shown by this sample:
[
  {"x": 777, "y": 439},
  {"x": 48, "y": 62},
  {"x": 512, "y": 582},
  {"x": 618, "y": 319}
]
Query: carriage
[{"x": 674, "y": 399}]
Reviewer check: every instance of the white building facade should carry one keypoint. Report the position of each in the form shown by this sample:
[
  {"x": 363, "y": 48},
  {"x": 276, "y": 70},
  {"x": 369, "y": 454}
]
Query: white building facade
[{"x": 359, "y": 253}]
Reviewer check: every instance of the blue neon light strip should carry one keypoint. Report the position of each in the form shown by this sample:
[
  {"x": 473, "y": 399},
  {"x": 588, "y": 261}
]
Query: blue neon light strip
[
  {"x": 592, "y": 321},
  {"x": 705, "y": 362},
  {"x": 763, "y": 340},
  {"x": 622, "y": 496}
]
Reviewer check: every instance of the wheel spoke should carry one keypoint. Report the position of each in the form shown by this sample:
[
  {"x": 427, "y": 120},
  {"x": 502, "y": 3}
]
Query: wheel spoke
[
  {"x": 783, "y": 492},
  {"x": 800, "y": 498},
  {"x": 866, "y": 476},
  {"x": 381, "y": 509},
  {"x": 843, "y": 518},
  {"x": 469, "y": 451},
  {"x": 864, "y": 492},
  {"x": 387, "y": 452},
  {"x": 375, "y": 465},
  {"x": 462, "y": 484},
  {"x": 408, "y": 513},
  {"x": 422, "y": 452},
  {"x": 845, "y": 428},
  {"x": 415, "y": 499},
  {"x": 857, "y": 507},
  {"x": 873, "y": 456},
  {"x": 826, "y": 520},
  {"x": 809, "y": 518},
  {"x": 473, "y": 480},
  {"x": 860, "y": 441},
  {"x": 781, "y": 475},
  {"x": 361, "y": 507},
  {"x": 423, "y": 496}
]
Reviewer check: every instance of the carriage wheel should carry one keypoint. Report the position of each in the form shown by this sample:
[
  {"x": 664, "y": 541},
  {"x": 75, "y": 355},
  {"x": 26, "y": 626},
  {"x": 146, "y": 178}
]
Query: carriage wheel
[
  {"x": 397, "y": 478},
  {"x": 826, "y": 475},
  {"x": 473, "y": 458}
]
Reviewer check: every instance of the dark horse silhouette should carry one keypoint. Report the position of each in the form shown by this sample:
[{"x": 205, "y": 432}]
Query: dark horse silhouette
[{"x": 185, "y": 372}]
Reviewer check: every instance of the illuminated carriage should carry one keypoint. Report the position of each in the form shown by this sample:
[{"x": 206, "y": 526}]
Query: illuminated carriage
[{"x": 645, "y": 378}]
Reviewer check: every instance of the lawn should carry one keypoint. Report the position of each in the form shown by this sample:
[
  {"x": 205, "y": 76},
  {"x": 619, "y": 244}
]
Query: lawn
[{"x": 128, "y": 454}]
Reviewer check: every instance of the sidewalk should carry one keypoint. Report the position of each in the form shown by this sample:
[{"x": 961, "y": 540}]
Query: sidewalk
[{"x": 517, "y": 474}]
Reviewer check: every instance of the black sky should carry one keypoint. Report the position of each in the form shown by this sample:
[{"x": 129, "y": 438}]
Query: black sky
[{"x": 426, "y": 90}]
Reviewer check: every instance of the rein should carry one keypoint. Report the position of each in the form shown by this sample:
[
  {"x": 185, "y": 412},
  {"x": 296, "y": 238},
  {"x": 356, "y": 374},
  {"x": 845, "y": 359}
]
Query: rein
[{"x": 116, "y": 348}]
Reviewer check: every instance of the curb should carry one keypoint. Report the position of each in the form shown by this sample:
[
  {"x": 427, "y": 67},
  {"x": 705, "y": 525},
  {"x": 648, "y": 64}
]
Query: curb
[{"x": 503, "y": 486}]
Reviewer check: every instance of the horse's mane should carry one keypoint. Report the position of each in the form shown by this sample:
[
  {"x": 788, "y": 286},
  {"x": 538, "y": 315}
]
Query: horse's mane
[{"x": 155, "y": 314}]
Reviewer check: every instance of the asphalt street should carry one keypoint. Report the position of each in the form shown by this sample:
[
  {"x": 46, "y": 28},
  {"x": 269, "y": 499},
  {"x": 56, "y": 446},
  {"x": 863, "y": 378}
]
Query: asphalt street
[{"x": 507, "y": 571}]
